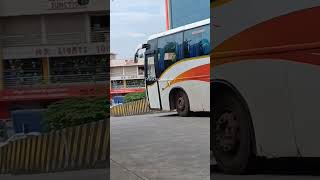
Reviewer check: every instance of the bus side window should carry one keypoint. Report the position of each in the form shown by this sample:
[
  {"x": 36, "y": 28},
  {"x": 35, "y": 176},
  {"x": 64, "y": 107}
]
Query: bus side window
[
  {"x": 170, "y": 50},
  {"x": 197, "y": 42}
]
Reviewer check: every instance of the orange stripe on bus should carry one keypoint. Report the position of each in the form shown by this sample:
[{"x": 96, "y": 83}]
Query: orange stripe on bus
[
  {"x": 291, "y": 37},
  {"x": 200, "y": 73}
]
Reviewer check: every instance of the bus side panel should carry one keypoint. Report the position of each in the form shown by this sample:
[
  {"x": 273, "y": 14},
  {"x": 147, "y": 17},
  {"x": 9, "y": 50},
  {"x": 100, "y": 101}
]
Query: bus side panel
[
  {"x": 234, "y": 17},
  {"x": 191, "y": 75},
  {"x": 264, "y": 86},
  {"x": 198, "y": 93},
  {"x": 278, "y": 111},
  {"x": 305, "y": 92}
]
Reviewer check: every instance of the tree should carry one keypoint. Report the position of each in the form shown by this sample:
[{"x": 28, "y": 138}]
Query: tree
[
  {"x": 75, "y": 111},
  {"x": 134, "y": 97}
]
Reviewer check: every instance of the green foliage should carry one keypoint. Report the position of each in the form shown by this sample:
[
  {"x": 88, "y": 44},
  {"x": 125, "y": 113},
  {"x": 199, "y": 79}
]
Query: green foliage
[
  {"x": 75, "y": 111},
  {"x": 134, "y": 97}
]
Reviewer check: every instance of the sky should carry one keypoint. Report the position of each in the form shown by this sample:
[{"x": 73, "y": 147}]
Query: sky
[{"x": 132, "y": 22}]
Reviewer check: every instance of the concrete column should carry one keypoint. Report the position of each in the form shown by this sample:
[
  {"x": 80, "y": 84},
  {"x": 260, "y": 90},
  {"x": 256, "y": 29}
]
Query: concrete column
[
  {"x": 1, "y": 56},
  {"x": 107, "y": 45},
  {"x": 87, "y": 28},
  {"x": 125, "y": 84},
  {"x": 43, "y": 30},
  {"x": 1, "y": 68},
  {"x": 46, "y": 70}
]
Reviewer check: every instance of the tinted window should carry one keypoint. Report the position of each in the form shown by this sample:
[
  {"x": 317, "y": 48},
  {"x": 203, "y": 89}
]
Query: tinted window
[
  {"x": 170, "y": 50},
  {"x": 197, "y": 42},
  {"x": 188, "y": 11},
  {"x": 150, "y": 69},
  {"x": 117, "y": 84},
  {"x": 78, "y": 69},
  {"x": 22, "y": 72},
  {"x": 153, "y": 45}
]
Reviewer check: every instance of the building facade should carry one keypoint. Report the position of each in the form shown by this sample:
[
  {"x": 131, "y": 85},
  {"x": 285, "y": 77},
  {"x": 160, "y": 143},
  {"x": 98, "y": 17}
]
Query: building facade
[
  {"x": 126, "y": 76},
  {"x": 182, "y": 12},
  {"x": 51, "y": 50}
]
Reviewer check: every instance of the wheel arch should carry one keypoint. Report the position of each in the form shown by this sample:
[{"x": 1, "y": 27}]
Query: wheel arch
[
  {"x": 172, "y": 94},
  {"x": 218, "y": 86}
]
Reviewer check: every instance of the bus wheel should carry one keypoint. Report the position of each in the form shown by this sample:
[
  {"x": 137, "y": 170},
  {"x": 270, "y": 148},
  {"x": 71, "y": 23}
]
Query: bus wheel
[
  {"x": 231, "y": 139},
  {"x": 182, "y": 104}
]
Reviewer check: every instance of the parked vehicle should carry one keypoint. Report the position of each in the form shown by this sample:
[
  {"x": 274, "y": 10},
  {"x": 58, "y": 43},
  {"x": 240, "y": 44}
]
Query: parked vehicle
[
  {"x": 264, "y": 81},
  {"x": 177, "y": 68}
]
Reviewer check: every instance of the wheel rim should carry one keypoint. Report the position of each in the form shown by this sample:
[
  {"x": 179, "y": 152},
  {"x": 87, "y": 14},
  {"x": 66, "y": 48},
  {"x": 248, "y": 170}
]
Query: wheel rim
[
  {"x": 180, "y": 103},
  {"x": 227, "y": 133}
]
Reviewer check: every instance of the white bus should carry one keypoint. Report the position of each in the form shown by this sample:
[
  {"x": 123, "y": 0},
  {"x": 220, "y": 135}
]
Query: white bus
[
  {"x": 265, "y": 78},
  {"x": 177, "y": 68}
]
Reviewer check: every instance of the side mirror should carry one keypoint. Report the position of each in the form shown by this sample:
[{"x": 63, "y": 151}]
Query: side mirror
[
  {"x": 146, "y": 46},
  {"x": 141, "y": 46},
  {"x": 136, "y": 57}
]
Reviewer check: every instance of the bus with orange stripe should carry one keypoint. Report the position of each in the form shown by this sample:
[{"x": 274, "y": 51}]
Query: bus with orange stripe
[
  {"x": 177, "y": 68},
  {"x": 264, "y": 81}
]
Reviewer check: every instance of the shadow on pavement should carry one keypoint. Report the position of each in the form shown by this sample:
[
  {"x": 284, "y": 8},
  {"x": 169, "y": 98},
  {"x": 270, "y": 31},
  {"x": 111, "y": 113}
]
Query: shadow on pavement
[
  {"x": 193, "y": 114},
  {"x": 282, "y": 166}
]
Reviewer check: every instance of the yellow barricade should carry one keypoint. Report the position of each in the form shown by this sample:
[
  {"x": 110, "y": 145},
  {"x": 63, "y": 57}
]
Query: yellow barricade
[
  {"x": 80, "y": 147},
  {"x": 132, "y": 108}
]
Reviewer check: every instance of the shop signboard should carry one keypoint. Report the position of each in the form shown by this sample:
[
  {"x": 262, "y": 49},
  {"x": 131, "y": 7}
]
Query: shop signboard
[{"x": 54, "y": 51}]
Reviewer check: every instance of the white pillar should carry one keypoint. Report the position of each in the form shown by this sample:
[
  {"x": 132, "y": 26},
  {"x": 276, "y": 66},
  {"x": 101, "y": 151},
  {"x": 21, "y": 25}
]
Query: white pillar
[
  {"x": 43, "y": 30},
  {"x": 87, "y": 28}
]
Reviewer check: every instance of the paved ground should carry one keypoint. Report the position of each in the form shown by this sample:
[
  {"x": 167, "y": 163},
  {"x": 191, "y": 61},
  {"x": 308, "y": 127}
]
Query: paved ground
[
  {"x": 100, "y": 174},
  {"x": 161, "y": 146},
  {"x": 118, "y": 172}
]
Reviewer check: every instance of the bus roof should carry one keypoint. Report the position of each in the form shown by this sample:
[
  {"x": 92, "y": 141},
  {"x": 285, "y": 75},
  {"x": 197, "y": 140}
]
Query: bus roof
[{"x": 179, "y": 29}]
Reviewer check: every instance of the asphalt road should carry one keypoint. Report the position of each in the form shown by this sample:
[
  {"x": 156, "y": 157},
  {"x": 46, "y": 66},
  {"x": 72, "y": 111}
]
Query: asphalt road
[
  {"x": 161, "y": 146},
  {"x": 168, "y": 147}
]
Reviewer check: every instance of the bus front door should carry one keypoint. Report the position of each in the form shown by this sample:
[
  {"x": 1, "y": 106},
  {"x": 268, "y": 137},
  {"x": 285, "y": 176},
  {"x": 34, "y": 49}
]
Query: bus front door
[{"x": 152, "y": 84}]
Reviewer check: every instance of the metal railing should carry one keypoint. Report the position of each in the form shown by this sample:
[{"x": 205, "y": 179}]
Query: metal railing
[
  {"x": 76, "y": 78},
  {"x": 66, "y": 38},
  {"x": 117, "y": 86},
  {"x": 35, "y": 81},
  {"x": 99, "y": 36},
  {"x": 121, "y": 86},
  {"x": 21, "y": 40},
  {"x": 135, "y": 85},
  {"x": 23, "y": 81},
  {"x": 52, "y": 38}
]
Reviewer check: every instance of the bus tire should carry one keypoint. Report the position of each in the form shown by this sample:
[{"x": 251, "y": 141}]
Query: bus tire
[
  {"x": 182, "y": 104},
  {"x": 231, "y": 134}
]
